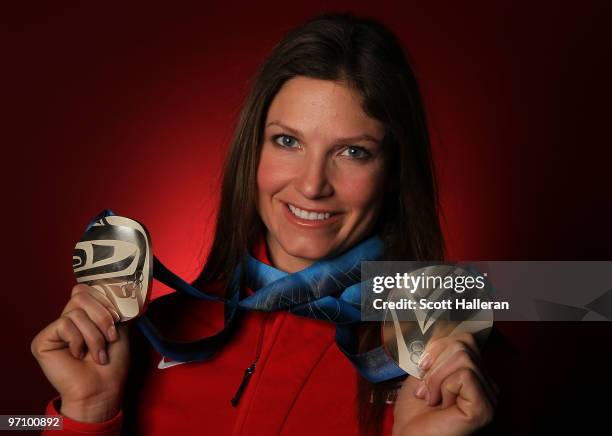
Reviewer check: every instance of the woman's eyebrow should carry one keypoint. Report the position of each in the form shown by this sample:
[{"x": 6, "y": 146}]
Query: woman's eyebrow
[
  {"x": 362, "y": 137},
  {"x": 287, "y": 128}
]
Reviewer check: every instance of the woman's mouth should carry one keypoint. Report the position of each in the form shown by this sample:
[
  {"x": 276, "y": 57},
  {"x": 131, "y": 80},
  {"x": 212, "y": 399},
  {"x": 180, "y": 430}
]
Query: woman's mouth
[
  {"x": 308, "y": 215},
  {"x": 310, "y": 218}
]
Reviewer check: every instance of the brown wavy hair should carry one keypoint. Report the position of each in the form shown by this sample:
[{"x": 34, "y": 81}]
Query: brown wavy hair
[{"x": 365, "y": 54}]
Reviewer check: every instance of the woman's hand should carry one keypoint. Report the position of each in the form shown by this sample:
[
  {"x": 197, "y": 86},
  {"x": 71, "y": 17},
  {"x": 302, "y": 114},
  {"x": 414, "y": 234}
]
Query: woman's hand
[
  {"x": 85, "y": 356},
  {"x": 455, "y": 396}
]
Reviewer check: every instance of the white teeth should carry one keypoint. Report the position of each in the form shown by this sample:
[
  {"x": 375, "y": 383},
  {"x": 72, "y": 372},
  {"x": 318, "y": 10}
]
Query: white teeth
[{"x": 308, "y": 215}]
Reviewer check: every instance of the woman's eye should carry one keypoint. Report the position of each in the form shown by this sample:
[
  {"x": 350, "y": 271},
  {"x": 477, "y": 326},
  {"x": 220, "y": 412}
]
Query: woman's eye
[
  {"x": 355, "y": 152},
  {"x": 285, "y": 141}
]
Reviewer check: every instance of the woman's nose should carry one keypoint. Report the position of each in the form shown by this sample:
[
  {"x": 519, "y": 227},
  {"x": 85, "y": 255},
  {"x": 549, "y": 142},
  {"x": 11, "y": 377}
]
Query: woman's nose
[{"x": 312, "y": 181}]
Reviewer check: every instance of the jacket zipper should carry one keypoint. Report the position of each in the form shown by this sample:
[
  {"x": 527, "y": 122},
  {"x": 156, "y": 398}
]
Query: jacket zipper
[{"x": 251, "y": 368}]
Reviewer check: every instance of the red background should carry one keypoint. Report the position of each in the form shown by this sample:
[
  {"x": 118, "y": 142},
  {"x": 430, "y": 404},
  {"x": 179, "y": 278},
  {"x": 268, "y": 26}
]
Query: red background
[{"x": 131, "y": 107}]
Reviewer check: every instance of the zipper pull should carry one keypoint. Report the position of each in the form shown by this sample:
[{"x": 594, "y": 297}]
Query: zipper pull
[{"x": 243, "y": 384}]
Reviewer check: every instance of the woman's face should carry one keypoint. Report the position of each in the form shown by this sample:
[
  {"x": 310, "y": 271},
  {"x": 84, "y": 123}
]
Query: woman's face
[{"x": 321, "y": 172}]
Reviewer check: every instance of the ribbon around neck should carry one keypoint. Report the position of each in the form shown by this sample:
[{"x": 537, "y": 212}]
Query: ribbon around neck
[{"x": 310, "y": 293}]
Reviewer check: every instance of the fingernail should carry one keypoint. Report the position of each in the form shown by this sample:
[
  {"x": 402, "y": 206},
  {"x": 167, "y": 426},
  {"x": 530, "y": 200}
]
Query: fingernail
[
  {"x": 425, "y": 361},
  {"x": 116, "y": 315},
  {"x": 112, "y": 333},
  {"x": 421, "y": 391},
  {"x": 103, "y": 357}
]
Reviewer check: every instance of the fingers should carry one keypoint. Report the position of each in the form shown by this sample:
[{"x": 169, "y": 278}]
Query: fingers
[
  {"x": 447, "y": 355},
  {"x": 97, "y": 308},
  {"x": 87, "y": 323},
  {"x": 67, "y": 332},
  {"x": 464, "y": 389},
  {"x": 455, "y": 357},
  {"x": 94, "y": 339},
  {"x": 57, "y": 335},
  {"x": 436, "y": 347},
  {"x": 98, "y": 296}
]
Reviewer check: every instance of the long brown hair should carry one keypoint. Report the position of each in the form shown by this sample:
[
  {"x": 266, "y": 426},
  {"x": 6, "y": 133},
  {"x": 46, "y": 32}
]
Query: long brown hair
[{"x": 365, "y": 54}]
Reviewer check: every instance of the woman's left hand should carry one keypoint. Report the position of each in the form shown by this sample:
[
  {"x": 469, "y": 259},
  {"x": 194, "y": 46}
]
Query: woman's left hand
[{"x": 455, "y": 396}]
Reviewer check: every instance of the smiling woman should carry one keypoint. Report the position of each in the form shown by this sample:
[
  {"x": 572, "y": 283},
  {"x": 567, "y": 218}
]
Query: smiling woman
[
  {"x": 321, "y": 172},
  {"x": 330, "y": 165}
]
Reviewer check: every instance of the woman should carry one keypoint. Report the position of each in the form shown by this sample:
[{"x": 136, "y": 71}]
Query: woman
[{"x": 331, "y": 148}]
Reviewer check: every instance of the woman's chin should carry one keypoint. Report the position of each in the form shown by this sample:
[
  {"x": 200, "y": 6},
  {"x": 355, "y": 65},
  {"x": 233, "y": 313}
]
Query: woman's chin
[
  {"x": 309, "y": 250},
  {"x": 310, "y": 254}
]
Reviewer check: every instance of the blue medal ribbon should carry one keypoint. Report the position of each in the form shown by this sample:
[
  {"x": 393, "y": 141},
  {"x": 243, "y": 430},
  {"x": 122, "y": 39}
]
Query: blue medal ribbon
[{"x": 310, "y": 293}]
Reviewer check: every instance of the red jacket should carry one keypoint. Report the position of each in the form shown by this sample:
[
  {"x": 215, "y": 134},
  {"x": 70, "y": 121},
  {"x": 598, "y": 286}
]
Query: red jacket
[{"x": 302, "y": 383}]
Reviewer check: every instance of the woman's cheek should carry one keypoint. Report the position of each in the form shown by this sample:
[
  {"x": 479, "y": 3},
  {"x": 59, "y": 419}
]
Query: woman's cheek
[
  {"x": 361, "y": 189},
  {"x": 274, "y": 172}
]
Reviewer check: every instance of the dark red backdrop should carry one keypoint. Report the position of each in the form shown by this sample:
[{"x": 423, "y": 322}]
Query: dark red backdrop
[{"x": 131, "y": 107}]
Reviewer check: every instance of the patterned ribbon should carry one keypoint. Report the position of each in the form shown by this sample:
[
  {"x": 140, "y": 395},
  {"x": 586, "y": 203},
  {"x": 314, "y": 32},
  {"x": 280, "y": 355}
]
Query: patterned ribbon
[{"x": 311, "y": 293}]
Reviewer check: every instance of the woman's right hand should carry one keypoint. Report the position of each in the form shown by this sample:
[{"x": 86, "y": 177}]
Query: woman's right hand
[{"x": 85, "y": 356}]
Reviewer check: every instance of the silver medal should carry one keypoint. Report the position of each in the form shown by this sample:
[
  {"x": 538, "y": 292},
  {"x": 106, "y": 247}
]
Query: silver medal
[
  {"x": 405, "y": 336},
  {"x": 114, "y": 257}
]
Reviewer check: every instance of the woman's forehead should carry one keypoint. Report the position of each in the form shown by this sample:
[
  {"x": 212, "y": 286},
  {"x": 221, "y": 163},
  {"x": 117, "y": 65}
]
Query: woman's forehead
[{"x": 311, "y": 105}]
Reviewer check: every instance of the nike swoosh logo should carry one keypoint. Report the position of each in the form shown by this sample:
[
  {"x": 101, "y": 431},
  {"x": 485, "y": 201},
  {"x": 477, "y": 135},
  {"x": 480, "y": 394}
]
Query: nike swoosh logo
[{"x": 163, "y": 364}]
